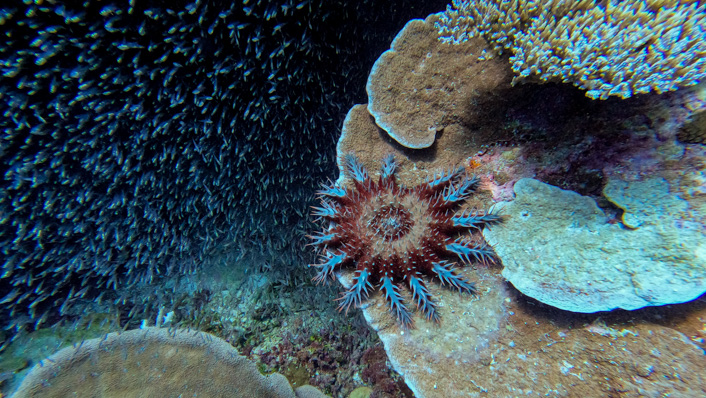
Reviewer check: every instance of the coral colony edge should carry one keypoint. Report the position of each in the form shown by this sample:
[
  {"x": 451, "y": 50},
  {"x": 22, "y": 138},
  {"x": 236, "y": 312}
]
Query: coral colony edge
[{"x": 394, "y": 235}]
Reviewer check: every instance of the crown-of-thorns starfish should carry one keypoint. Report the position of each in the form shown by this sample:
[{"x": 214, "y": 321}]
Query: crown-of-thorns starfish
[{"x": 394, "y": 235}]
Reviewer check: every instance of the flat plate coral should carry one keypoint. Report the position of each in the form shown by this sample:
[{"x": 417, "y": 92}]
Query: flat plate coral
[{"x": 560, "y": 248}]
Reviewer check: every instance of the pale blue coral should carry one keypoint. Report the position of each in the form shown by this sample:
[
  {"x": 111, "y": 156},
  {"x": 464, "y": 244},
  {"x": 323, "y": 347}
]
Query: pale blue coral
[{"x": 614, "y": 48}]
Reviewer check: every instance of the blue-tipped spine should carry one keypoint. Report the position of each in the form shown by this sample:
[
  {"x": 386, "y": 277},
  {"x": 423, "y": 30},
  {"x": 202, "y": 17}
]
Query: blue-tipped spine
[
  {"x": 333, "y": 191},
  {"x": 388, "y": 167},
  {"x": 355, "y": 169},
  {"x": 358, "y": 292},
  {"x": 332, "y": 260},
  {"x": 467, "y": 250},
  {"x": 322, "y": 239},
  {"x": 444, "y": 177},
  {"x": 474, "y": 219},
  {"x": 444, "y": 271},
  {"x": 327, "y": 210},
  {"x": 422, "y": 298},
  {"x": 460, "y": 192},
  {"x": 396, "y": 302}
]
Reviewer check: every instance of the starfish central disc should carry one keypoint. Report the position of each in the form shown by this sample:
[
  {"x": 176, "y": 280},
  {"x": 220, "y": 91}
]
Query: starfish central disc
[{"x": 391, "y": 222}]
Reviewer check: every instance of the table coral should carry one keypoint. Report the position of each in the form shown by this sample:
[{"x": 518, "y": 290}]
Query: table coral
[
  {"x": 608, "y": 48},
  {"x": 502, "y": 343},
  {"x": 420, "y": 87}
]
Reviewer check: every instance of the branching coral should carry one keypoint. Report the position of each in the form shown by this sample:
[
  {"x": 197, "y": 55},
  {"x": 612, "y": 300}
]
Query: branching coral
[{"x": 608, "y": 48}]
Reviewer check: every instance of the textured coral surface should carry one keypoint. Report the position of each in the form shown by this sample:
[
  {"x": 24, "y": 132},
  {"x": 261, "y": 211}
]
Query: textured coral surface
[
  {"x": 502, "y": 343},
  {"x": 505, "y": 344},
  {"x": 152, "y": 362},
  {"x": 421, "y": 86},
  {"x": 590, "y": 264}
]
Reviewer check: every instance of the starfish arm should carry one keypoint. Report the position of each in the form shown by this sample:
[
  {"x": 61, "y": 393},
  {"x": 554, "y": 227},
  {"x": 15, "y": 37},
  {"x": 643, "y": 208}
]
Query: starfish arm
[
  {"x": 466, "y": 249},
  {"x": 333, "y": 191},
  {"x": 394, "y": 299},
  {"x": 421, "y": 296},
  {"x": 328, "y": 266},
  {"x": 358, "y": 292},
  {"x": 458, "y": 193},
  {"x": 388, "y": 167},
  {"x": 446, "y": 274},
  {"x": 323, "y": 238},
  {"x": 443, "y": 178},
  {"x": 475, "y": 219},
  {"x": 354, "y": 168},
  {"x": 327, "y": 210}
]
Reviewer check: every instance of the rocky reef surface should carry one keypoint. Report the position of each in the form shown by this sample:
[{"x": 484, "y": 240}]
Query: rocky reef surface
[
  {"x": 625, "y": 196},
  {"x": 552, "y": 322}
]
